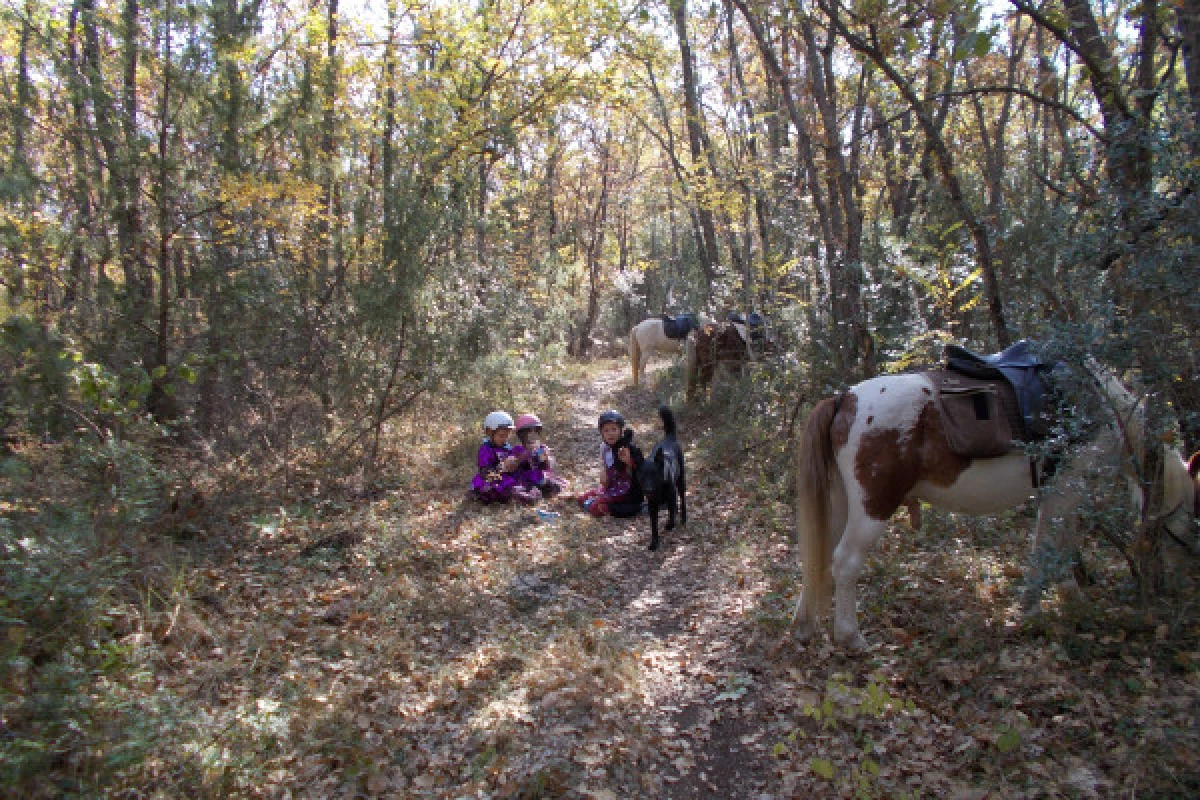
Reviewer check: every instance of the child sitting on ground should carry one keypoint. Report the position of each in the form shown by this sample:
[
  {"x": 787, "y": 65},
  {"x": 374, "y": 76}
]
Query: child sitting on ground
[
  {"x": 498, "y": 461},
  {"x": 619, "y": 494},
  {"x": 536, "y": 470}
]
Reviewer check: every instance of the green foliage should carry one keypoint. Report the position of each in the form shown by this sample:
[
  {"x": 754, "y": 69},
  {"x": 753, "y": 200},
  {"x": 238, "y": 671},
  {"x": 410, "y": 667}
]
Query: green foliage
[
  {"x": 62, "y": 586},
  {"x": 1008, "y": 740},
  {"x": 35, "y": 376},
  {"x": 843, "y": 703}
]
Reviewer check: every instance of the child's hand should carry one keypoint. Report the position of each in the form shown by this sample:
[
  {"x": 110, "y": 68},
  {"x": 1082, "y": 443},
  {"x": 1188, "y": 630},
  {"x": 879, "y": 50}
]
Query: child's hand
[
  {"x": 625, "y": 456},
  {"x": 510, "y": 463}
]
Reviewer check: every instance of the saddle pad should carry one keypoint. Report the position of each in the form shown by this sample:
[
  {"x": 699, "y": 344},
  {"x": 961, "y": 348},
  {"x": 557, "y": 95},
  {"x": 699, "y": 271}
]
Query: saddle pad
[{"x": 980, "y": 417}]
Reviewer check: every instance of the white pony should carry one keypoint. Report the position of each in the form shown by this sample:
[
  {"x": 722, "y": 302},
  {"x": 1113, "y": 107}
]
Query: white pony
[
  {"x": 649, "y": 337},
  {"x": 882, "y": 444}
]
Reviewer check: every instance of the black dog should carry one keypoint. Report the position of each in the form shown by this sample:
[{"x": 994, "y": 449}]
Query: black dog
[{"x": 662, "y": 478}]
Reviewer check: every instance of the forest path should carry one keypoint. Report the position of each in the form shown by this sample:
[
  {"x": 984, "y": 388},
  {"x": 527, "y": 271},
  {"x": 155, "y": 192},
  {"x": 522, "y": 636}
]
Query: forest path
[{"x": 681, "y": 608}]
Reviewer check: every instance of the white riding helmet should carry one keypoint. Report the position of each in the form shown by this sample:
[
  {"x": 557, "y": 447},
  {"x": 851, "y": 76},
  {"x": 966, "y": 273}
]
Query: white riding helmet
[{"x": 497, "y": 420}]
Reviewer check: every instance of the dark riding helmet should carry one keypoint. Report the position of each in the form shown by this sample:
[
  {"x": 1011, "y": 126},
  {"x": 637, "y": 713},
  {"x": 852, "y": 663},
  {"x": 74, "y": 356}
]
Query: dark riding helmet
[{"x": 612, "y": 415}]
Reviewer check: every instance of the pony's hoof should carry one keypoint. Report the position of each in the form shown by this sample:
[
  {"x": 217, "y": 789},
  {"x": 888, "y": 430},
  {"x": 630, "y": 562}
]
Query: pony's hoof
[
  {"x": 853, "y": 642},
  {"x": 670, "y": 526},
  {"x": 804, "y": 631}
]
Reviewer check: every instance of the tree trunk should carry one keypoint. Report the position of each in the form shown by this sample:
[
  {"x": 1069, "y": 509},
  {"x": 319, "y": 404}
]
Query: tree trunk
[
  {"x": 21, "y": 111},
  {"x": 160, "y": 402},
  {"x": 757, "y": 194},
  {"x": 1187, "y": 22},
  {"x": 78, "y": 292},
  {"x": 597, "y": 225},
  {"x": 845, "y": 273},
  {"x": 327, "y": 230},
  {"x": 710, "y": 256}
]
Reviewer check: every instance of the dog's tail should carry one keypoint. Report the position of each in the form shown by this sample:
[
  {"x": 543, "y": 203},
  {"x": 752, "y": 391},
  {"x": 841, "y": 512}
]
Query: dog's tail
[{"x": 668, "y": 420}]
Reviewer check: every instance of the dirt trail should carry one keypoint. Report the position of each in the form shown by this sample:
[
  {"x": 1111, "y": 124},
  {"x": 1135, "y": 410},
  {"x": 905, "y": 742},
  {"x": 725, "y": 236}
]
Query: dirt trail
[{"x": 687, "y": 615}]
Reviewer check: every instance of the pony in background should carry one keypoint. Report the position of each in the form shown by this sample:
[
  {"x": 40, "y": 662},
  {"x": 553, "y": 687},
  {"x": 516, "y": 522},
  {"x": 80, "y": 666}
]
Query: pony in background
[
  {"x": 657, "y": 335},
  {"x": 882, "y": 444},
  {"x": 718, "y": 345}
]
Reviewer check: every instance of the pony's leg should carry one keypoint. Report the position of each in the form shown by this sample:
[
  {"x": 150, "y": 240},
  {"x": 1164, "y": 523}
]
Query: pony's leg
[
  {"x": 860, "y": 534},
  {"x": 690, "y": 368},
  {"x": 1053, "y": 553},
  {"x": 635, "y": 356}
]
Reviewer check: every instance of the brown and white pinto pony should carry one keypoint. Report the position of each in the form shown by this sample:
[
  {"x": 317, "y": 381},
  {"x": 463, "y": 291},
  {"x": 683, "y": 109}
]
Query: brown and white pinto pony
[
  {"x": 881, "y": 445},
  {"x": 716, "y": 345}
]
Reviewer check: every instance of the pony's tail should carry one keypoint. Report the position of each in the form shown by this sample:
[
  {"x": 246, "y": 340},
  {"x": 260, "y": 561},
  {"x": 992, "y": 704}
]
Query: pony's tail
[
  {"x": 814, "y": 483},
  {"x": 668, "y": 420},
  {"x": 635, "y": 355}
]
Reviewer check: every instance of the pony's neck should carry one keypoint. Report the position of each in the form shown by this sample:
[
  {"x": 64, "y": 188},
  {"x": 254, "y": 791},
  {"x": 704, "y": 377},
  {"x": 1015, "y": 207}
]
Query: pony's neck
[{"x": 1121, "y": 402}]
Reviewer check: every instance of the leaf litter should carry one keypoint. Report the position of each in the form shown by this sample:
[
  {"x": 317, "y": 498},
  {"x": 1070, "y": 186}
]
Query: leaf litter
[{"x": 419, "y": 645}]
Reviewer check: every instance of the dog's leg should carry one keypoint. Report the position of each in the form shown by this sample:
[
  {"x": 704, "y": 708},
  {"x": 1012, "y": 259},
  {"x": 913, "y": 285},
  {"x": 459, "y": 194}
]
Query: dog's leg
[{"x": 653, "y": 527}]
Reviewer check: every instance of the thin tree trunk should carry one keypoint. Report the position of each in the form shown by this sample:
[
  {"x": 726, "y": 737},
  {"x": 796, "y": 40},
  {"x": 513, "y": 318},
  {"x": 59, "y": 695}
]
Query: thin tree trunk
[
  {"x": 327, "y": 228},
  {"x": 159, "y": 403},
  {"x": 78, "y": 293},
  {"x": 16, "y": 188},
  {"x": 710, "y": 256},
  {"x": 21, "y": 111},
  {"x": 756, "y": 192},
  {"x": 597, "y": 225},
  {"x": 845, "y": 273},
  {"x": 1187, "y": 22}
]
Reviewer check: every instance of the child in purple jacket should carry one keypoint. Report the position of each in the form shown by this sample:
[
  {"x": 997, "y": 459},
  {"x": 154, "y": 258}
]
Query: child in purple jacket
[
  {"x": 536, "y": 470},
  {"x": 619, "y": 495},
  {"x": 498, "y": 462}
]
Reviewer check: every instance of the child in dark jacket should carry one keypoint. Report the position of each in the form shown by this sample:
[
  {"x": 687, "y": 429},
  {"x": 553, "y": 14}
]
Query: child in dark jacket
[
  {"x": 536, "y": 471},
  {"x": 498, "y": 462},
  {"x": 619, "y": 494}
]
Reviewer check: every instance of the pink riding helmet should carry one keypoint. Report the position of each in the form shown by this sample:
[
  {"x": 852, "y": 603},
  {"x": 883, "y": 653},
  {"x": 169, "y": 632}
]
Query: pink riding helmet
[{"x": 528, "y": 421}]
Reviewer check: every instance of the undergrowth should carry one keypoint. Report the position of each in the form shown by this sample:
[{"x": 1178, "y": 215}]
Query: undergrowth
[{"x": 103, "y": 539}]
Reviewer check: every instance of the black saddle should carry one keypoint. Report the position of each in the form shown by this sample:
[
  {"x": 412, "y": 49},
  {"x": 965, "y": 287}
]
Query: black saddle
[
  {"x": 755, "y": 324},
  {"x": 1018, "y": 355},
  {"x": 1019, "y": 364},
  {"x": 680, "y": 326}
]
